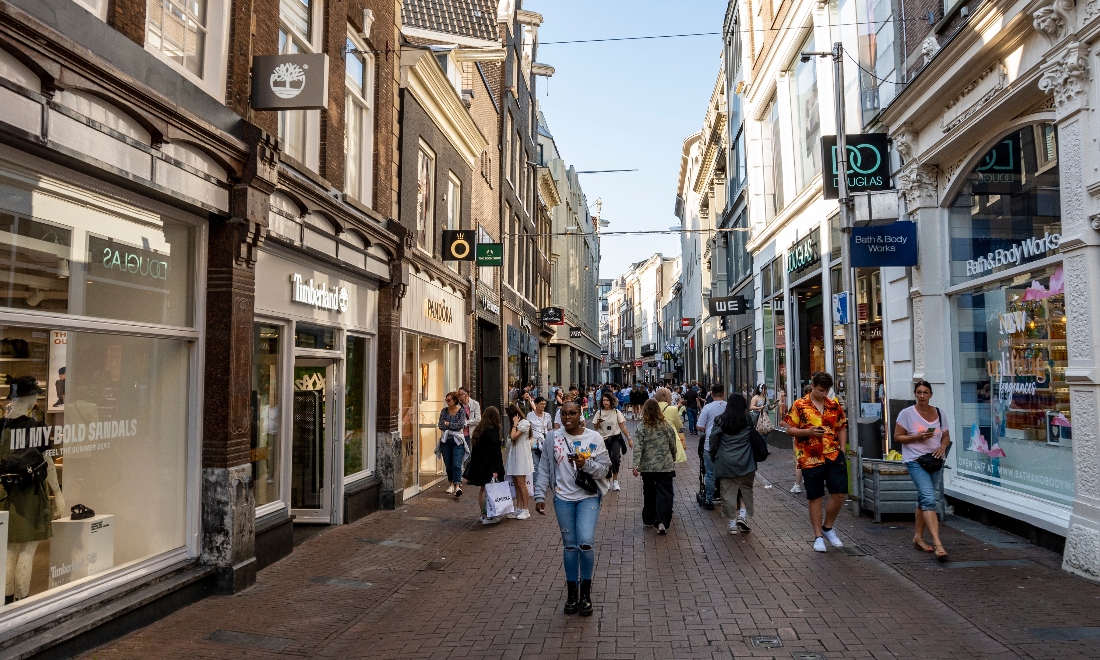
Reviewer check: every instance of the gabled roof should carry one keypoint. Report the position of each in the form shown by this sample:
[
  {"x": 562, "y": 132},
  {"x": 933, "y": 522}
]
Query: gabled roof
[{"x": 466, "y": 18}]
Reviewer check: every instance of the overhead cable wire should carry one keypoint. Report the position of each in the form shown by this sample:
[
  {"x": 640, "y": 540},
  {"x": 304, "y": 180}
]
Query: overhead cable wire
[{"x": 743, "y": 31}]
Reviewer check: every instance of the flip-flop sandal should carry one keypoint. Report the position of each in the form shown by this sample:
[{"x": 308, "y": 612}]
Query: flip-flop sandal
[
  {"x": 922, "y": 546},
  {"x": 941, "y": 554}
]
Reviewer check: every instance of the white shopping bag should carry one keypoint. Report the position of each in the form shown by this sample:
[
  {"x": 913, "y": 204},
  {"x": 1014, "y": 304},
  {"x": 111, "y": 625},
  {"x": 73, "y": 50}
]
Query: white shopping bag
[{"x": 498, "y": 499}]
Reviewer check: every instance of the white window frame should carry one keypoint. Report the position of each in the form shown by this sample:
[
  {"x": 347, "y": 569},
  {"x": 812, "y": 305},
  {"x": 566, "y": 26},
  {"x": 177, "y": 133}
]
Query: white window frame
[
  {"x": 426, "y": 216},
  {"x": 454, "y": 208},
  {"x": 361, "y": 98},
  {"x": 215, "y": 51},
  {"x": 370, "y": 420},
  {"x": 311, "y": 43}
]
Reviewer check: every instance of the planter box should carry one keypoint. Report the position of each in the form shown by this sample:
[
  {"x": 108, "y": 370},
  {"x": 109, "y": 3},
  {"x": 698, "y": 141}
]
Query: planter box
[{"x": 887, "y": 488}]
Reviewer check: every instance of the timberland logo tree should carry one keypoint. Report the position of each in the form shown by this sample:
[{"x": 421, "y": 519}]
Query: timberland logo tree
[{"x": 288, "y": 80}]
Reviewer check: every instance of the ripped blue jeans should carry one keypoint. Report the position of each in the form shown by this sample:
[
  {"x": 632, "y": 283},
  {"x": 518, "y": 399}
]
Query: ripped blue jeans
[{"x": 577, "y": 521}]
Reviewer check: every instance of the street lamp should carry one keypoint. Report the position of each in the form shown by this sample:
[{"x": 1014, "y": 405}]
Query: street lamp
[{"x": 851, "y": 334}]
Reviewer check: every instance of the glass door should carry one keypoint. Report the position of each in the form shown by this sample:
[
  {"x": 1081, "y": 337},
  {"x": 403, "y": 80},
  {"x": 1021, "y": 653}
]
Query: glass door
[{"x": 312, "y": 446}]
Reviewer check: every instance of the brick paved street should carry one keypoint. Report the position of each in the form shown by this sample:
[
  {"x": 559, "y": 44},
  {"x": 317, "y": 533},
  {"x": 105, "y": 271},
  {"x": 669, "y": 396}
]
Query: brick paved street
[{"x": 366, "y": 591}]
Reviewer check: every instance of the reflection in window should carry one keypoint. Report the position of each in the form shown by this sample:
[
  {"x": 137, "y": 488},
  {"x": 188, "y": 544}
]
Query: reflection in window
[
  {"x": 356, "y": 441},
  {"x": 425, "y": 200},
  {"x": 806, "y": 118},
  {"x": 266, "y": 412},
  {"x": 178, "y": 29}
]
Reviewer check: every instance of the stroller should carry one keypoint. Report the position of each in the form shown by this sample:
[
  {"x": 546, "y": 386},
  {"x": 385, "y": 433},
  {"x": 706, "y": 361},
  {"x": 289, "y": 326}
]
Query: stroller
[{"x": 701, "y": 495}]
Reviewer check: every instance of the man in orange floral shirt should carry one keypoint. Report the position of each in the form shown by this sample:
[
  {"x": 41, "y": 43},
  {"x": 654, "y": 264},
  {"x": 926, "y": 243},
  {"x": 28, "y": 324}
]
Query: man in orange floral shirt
[{"x": 820, "y": 431}]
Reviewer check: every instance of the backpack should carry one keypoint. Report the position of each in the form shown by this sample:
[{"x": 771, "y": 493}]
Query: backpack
[{"x": 21, "y": 469}]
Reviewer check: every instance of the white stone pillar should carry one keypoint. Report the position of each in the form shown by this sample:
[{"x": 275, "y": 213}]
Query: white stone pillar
[{"x": 1065, "y": 75}]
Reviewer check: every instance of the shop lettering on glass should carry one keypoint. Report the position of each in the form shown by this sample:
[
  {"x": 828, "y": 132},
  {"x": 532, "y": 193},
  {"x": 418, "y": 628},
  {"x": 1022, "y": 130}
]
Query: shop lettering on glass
[
  {"x": 437, "y": 310},
  {"x": 804, "y": 254},
  {"x": 1026, "y": 250},
  {"x": 44, "y": 436},
  {"x": 999, "y": 170},
  {"x": 321, "y": 296},
  {"x": 121, "y": 259}
]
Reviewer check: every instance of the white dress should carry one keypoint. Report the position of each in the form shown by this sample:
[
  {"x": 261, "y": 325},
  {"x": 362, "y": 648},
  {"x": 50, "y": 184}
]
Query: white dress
[{"x": 519, "y": 452}]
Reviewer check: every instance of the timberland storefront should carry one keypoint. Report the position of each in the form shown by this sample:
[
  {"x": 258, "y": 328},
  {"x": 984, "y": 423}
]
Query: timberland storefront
[
  {"x": 313, "y": 392},
  {"x": 433, "y": 346}
]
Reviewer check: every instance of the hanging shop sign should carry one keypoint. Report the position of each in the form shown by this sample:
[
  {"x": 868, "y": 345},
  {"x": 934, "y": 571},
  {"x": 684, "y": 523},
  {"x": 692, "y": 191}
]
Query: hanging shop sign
[
  {"x": 649, "y": 349},
  {"x": 728, "y": 305},
  {"x": 667, "y": 356},
  {"x": 457, "y": 245},
  {"x": 868, "y": 163},
  {"x": 805, "y": 254},
  {"x": 884, "y": 246},
  {"x": 637, "y": 363},
  {"x": 552, "y": 315},
  {"x": 321, "y": 296},
  {"x": 576, "y": 333},
  {"x": 687, "y": 324},
  {"x": 490, "y": 254},
  {"x": 628, "y": 343},
  {"x": 289, "y": 82},
  {"x": 489, "y": 305},
  {"x": 841, "y": 306}
]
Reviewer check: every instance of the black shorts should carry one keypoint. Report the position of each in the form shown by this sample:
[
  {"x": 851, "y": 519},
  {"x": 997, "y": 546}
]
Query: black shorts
[{"x": 833, "y": 475}]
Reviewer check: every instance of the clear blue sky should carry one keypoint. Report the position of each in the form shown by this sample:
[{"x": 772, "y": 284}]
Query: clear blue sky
[{"x": 628, "y": 104}]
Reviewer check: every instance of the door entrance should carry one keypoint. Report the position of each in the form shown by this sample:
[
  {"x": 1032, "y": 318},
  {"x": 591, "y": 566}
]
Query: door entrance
[{"x": 312, "y": 449}]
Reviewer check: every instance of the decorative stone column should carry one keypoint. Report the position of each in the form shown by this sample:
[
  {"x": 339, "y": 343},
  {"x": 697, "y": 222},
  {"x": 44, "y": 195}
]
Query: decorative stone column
[
  {"x": 931, "y": 314},
  {"x": 1065, "y": 75},
  {"x": 228, "y": 505}
]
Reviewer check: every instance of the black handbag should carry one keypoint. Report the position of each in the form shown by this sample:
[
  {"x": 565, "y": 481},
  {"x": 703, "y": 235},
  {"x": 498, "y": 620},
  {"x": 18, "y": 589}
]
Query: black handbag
[
  {"x": 24, "y": 468},
  {"x": 760, "y": 450},
  {"x": 586, "y": 482},
  {"x": 930, "y": 463}
]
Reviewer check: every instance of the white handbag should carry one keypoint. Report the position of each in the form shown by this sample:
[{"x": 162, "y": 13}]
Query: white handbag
[{"x": 498, "y": 499}]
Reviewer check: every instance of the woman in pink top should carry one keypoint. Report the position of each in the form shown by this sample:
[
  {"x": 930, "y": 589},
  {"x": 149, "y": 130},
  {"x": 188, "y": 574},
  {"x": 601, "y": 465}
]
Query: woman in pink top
[{"x": 921, "y": 430}]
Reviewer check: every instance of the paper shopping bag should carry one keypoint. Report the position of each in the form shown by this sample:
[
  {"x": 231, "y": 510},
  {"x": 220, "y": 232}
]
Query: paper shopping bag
[{"x": 498, "y": 499}]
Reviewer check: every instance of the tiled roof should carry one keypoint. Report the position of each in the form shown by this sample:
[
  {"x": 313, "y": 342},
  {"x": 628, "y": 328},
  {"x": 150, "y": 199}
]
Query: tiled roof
[{"x": 468, "y": 18}]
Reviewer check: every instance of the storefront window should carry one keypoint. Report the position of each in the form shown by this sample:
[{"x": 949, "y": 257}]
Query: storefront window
[
  {"x": 872, "y": 351},
  {"x": 1015, "y": 424},
  {"x": 108, "y": 414},
  {"x": 1008, "y": 212},
  {"x": 78, "y": 260},
  {"x": 409, "y": 401},
  {"x": 431, "y": 368},
  {"x": 312, "y": 336},
  {"x": 356, "y": 444},
  {"x": 266, "y": 411}
]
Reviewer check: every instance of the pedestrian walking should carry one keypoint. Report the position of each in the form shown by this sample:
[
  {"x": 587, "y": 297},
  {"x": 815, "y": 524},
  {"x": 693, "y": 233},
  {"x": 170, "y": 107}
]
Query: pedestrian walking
[
  {"x": 759, "y": 404},
  {"x": 691, "y": 407},
  {"x": 638, "y": 397},
  {"x": 485, "y": 463},
  {"x": 542, "y": 429},
  {"x": 734, "y": 463},
  {"x": 472, "y": 409},
  {"x": 820, "y": 431},
  {"x": 452, "y": 443},
  {"x": 663, "y": 397},
  {"x": 519, "y": 463},
  {"x": 653, "y": 460},
  {"x": 925, "y": 439},
  {"x": 578, "y": 451},
  {"x": 710, "y": 412},
  {"x": 611, "y": 425}
]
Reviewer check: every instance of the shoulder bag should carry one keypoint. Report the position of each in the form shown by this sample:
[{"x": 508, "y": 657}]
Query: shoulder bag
[
  {"x": 929, "y": 462},
  {"x": 764, "y": 423}
]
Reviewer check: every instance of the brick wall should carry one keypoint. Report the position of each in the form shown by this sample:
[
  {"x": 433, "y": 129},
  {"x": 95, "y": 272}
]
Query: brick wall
[
  {"x": 128, "y": 17},
  {"x": 253, "y": 30}
]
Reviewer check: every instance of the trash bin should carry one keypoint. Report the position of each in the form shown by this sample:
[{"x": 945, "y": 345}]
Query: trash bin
[{"x": 870, "y": 437}]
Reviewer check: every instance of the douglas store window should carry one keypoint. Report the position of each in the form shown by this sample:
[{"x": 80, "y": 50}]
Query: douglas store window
[{"x": 99, "y": 411}]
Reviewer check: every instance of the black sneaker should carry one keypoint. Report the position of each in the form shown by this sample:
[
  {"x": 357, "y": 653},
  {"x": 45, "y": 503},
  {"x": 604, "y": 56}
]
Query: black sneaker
[{"x": 709, "y": 506}]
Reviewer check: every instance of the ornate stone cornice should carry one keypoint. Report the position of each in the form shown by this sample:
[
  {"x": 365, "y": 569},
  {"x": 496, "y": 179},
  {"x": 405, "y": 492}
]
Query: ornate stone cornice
[
  {"x": 928, "y": 49},
  {"x": 918, "y": 184},
  {"x": 1065, "y": 76},
  {"x": 1053, "y": 20}
]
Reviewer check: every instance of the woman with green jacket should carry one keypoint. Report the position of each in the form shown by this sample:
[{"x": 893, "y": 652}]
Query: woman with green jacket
[{"x": 654, "y": 453}]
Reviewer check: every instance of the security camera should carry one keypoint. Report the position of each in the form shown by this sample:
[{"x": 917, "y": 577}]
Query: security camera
[{"x": 804, "y": 58}]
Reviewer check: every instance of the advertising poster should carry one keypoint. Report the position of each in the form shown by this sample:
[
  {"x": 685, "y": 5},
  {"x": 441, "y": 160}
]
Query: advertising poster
[{"x": 55, "y": 378}]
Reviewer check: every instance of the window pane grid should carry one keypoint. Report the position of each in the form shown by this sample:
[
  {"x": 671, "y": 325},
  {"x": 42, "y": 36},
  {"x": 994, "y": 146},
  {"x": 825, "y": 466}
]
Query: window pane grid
[{"x": 177, "y": 28}]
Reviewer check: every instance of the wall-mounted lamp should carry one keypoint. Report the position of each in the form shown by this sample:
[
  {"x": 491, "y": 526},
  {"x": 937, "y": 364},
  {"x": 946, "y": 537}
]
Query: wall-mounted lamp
[{"x": 35, "y": 298}]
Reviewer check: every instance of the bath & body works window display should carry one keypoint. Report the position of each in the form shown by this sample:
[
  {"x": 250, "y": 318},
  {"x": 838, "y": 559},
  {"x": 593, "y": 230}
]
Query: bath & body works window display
[
  {"x": 106, "y": 416},
  {"x": 1015, "y": 424}
]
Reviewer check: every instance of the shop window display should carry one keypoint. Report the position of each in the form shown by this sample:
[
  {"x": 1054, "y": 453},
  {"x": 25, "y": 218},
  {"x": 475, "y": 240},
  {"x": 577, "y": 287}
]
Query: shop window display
[
  {"x": 1015, "y": 423},
  {"x": 103, "y": 419},
  {"x": 266, "y": 412},
  {"x": 356, "y": 446}
]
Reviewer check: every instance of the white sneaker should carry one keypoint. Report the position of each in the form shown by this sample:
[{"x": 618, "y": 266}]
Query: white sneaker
[
  {"x": 523, "y": 514},
  {"x": 742, "y": 524},
  {"x": 833, "y": 538},
  {"x": 451, "y": 489},
  {"x": 796, "y": 488},
  {"x": 490, "y": 521},
  {"x": 819, "y": 544},
  {"x": 615, "y": 485},
  {"x": 732, "y": 528},
  {"x": 512, "y": 515}
]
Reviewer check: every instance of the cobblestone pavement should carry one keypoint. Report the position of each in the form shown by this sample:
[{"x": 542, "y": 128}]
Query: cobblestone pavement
[{"x": 373, "y": 589}]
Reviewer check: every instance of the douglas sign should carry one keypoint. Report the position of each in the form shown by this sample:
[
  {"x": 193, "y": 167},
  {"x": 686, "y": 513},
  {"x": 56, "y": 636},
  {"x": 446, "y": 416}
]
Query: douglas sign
[{"x": 868, "y": 164}]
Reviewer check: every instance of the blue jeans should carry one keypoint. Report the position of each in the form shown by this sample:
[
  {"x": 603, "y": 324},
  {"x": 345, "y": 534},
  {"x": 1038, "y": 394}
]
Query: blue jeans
[
  {"x": 536, "y": 457},
  {"x": 692, "y": 417},
  {"x": 708, "y": 478},
  {"x": 452, "y": 459},
  {"x": 927, "y": 485},
  {"x": 577, "y": 521}
]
